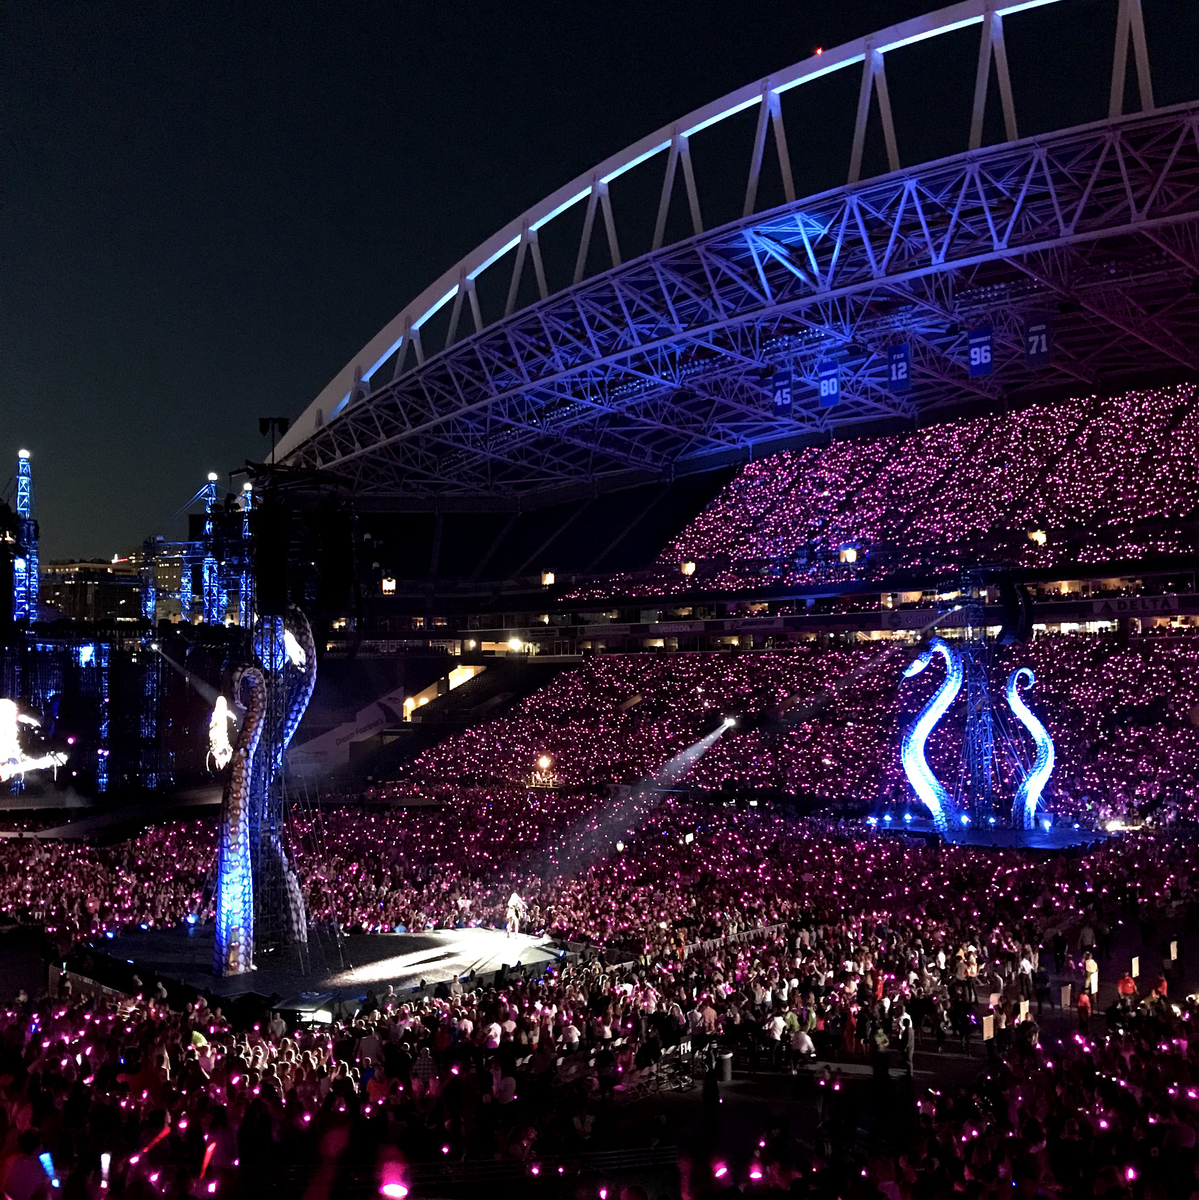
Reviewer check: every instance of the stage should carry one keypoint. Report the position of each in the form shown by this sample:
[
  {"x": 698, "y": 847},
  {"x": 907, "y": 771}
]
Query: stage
[
  {"x": 410, "y": 962},
  {"x": 1056, "y": 837}
]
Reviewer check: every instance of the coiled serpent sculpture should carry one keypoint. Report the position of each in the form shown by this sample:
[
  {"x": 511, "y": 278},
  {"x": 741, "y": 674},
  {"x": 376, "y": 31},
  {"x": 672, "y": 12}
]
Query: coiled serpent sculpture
[
  {"x": 234, "y": 950},
  {"x": 250, "y": 848}
]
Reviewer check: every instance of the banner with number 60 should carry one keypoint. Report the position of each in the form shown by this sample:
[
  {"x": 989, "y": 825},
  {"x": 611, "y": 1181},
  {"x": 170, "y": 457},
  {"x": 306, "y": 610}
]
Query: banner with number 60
[{"x": 828, "y": 371}]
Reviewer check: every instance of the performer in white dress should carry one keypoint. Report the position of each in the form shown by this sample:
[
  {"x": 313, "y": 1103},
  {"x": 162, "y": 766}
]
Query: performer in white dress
[{"x": 516, "y": 913}]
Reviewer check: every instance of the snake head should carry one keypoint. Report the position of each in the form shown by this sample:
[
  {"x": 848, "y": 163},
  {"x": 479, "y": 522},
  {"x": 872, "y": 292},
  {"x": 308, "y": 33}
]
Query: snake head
[
  {"x": 1022, "y": 677},
  {"x": 917, "y": 664}
]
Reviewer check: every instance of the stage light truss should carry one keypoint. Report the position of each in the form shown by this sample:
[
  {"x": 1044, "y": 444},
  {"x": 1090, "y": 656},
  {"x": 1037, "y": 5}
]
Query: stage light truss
[{"x": 666, "y": 360}]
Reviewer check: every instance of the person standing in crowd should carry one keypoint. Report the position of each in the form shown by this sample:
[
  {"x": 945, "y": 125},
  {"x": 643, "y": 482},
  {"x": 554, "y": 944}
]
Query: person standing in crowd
[
  {"x": 1086, "y": 939},
  {"x": 1084, "y": 1013},
  {"x": 25, "y": 1177},
  {"x": 1041, "y": 988},
  {"x": 907, "y": 1043},
  {"x": 1025, "y": 974}
]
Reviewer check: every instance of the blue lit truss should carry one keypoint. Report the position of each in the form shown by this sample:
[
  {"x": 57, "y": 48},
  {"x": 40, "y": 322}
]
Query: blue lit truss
[
  {"x": 664, "y": 360},
  {"x": 26, "y": 576}
]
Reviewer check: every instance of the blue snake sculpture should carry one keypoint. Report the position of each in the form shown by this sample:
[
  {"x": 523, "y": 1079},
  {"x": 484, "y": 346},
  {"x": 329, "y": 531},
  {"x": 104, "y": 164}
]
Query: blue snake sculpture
[
  {"x": 298, "y": 679},
  {"x": 251, "y": 846},
  {"x": 233, "y": 952},
  {"x": 927, "y": 786},
  {"x": 1028, "y": 794}
]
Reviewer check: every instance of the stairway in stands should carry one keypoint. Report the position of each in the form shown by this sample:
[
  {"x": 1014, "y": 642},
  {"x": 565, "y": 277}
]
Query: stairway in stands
[{"x": 489, "y": 694}]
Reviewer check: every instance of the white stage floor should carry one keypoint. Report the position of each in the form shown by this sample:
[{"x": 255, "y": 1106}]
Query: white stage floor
[
  {"x": 367, "y": 961},
  {"x": 407, "y": 958}
]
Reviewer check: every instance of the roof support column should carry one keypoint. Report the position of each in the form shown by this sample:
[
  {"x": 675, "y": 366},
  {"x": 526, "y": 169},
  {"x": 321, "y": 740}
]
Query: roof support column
[
  {"x": 1130, "y": 20},
  {"x": 991, "y": 44},
  {"x": 874, "y": 77}
]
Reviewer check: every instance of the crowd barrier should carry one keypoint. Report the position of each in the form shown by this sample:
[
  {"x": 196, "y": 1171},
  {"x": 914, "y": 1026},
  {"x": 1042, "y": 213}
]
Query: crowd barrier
[
  {"x": 734, "y": 939},
  {"x": 79, "y": 985},
  {"x": 709, "y": 944}
]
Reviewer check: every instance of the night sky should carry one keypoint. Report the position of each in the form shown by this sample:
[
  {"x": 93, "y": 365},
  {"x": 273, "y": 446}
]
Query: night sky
[{"x": 208, "y": 208}]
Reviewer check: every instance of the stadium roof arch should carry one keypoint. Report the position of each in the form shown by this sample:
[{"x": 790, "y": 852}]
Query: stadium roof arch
[{"x": 665, "y": 362}]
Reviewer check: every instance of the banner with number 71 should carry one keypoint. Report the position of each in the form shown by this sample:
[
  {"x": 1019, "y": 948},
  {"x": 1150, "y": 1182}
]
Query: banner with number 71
[{"x": 1038, "y": 343}]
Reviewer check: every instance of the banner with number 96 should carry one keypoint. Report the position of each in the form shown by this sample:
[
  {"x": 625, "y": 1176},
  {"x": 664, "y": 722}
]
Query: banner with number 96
[{"x": 978, "y": 341}]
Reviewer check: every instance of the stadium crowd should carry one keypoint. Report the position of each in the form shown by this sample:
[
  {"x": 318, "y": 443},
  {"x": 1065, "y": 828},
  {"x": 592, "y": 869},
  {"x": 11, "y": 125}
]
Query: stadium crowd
[
  {"x": 773, "y": 939},
  {"x": 1122, "y": 718},
  {"x": 1127, "y": 749},
  {"x": 710, "y": 927},
  {"x": 960, "y": 491}
]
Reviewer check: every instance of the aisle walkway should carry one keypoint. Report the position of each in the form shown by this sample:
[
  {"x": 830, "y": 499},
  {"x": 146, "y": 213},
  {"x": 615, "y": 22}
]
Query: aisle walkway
[{"x": 121, "y": 821}]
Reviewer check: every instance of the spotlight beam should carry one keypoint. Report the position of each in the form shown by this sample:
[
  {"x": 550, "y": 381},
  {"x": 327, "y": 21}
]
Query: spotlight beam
[
  {"x": 202, "y": 686},
  {"x": 585, "y": 842}
]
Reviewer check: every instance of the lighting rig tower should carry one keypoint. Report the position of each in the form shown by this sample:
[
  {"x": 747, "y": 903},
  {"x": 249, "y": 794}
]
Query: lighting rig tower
[
  {"x": 977, "y": 785},
  {"x": 212, "y": 595},
  {"x": 149, "y": 584},
  {"x": 245, "y": 578},
  {"x": 25, "y": 561}
]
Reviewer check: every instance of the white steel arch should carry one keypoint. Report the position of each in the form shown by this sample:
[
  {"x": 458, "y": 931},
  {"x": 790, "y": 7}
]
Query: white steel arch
[{"x": 398, "y": 349}]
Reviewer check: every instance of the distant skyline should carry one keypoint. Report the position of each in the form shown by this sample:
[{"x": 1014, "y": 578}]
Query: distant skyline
[{"x": 209, "y": 209}]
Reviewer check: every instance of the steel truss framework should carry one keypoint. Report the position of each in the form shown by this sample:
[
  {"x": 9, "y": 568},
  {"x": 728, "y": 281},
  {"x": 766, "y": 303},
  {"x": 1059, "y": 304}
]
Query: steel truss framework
[{"x": 668, "y": 359}]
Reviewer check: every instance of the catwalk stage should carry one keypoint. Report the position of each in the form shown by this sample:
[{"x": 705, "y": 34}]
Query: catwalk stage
[
  {"x": 371, "y": 962},
  {"x": 1056, "y": 837}
]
